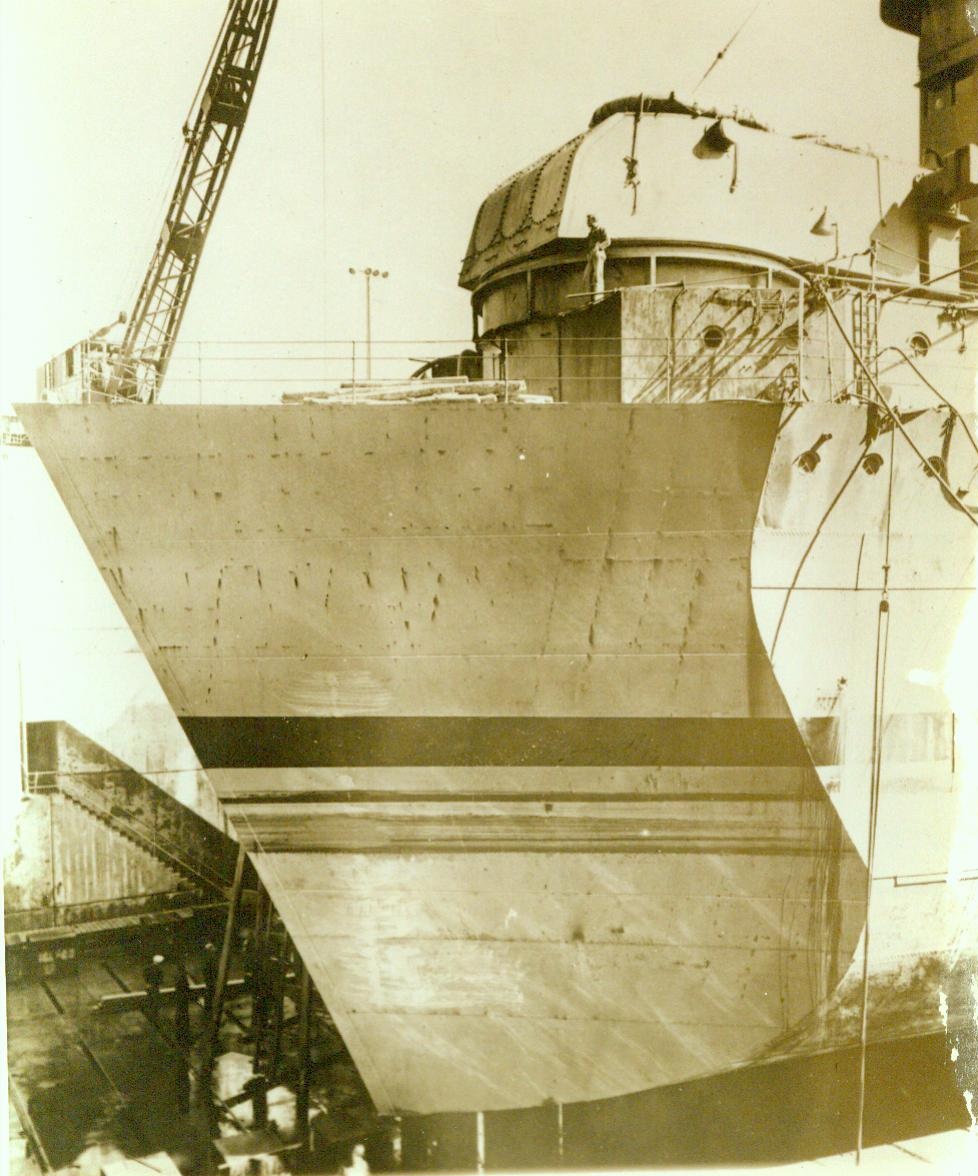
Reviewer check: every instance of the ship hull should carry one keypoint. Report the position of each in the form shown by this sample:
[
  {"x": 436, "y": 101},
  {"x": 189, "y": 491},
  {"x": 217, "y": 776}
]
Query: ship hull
[
  {"x": 62, "y": 631},
  {"x": 483, "y": 692},
  {"x": 780, "y": 1112},
  {"x": 863, "y": 582}
]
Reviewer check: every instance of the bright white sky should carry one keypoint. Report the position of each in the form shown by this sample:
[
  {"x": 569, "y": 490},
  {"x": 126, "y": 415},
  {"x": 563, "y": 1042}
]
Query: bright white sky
[{"x": 425, "y": 106}]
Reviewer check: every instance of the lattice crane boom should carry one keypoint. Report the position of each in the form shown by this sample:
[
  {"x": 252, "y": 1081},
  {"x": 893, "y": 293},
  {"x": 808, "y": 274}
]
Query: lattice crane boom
[{"x": 212, "y": 133}]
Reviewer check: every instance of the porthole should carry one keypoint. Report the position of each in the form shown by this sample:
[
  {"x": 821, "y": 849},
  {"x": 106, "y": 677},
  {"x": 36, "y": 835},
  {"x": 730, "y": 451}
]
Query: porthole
[
  {"x": 919, "y": 344},
  {"x": 713, "y": 337}
]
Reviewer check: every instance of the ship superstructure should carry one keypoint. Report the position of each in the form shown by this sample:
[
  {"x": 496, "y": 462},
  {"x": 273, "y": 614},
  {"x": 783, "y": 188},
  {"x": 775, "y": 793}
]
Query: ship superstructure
[{"x": 575, "y": 741}]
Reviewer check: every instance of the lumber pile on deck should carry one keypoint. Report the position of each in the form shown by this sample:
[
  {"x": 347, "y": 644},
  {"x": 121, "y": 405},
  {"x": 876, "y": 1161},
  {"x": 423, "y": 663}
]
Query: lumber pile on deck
[{"x": 451, "y": 388}]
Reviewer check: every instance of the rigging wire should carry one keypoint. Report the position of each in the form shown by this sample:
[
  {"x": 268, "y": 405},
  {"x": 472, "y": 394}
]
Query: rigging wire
[
  {"x": 940, "y": 395},
  {"x": 324, "y": 186},
  {"x": 811, "y": 543},
  {"x": 190, "y": 118},
  {"x": 847, "y": 391},
  {"x": 897, "y": 423},
  {"x": 895, "y": 416},
  {"x": 930, "y": 281},
  {"x": 879, "y": 694},
  {"x": 719, "y": 57}
]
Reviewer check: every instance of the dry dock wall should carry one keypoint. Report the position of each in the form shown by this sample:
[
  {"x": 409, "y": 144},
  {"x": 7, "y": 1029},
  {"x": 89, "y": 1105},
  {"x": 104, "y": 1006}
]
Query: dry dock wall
[{"x": 94, "y": 839}]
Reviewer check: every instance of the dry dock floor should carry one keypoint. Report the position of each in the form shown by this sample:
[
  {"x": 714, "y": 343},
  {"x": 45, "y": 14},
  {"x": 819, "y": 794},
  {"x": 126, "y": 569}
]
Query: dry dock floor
[
  {"x": 95, "y": 1080},
  {"x": 85, "y": 1083}
]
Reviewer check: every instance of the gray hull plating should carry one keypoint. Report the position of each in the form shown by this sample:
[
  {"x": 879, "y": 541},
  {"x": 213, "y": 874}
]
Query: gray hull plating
[{"x": 487, "y": 691}]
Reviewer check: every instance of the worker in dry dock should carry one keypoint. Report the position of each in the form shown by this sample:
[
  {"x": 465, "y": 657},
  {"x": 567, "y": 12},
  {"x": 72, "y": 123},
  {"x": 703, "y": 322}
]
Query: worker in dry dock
[
  {"x": 181, "y": 1007},
  {"x": 358, "y": 1165},
  {"x": 598, "y": 242},
  {"x": 153, "y": 978},
  {"x": 208, "y": 970},
  {"x": 257, "y": 1089}
]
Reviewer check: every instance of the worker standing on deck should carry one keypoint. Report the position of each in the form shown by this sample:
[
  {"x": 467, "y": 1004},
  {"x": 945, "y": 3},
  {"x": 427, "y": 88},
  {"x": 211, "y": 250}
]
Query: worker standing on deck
[{"x": 598, "y": 242}]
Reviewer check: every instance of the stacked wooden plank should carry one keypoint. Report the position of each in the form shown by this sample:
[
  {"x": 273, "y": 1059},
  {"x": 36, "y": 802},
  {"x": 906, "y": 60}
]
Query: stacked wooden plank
[{"x": 452, "y": 388}]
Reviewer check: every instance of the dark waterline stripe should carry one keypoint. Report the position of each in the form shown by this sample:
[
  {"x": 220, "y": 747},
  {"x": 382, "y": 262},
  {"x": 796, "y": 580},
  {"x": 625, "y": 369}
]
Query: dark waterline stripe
[
  {"x": 288, "y": 796},
  {"x": 497, "y": 741}
]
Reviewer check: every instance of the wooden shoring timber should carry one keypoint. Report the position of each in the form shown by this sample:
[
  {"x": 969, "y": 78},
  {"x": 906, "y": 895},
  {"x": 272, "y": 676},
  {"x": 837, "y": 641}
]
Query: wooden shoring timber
[{"x": 217, "y": 1003}]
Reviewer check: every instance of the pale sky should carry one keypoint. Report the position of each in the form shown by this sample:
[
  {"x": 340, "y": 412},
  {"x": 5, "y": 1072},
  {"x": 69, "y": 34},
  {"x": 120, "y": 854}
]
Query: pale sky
[{"x": 377, "y": 129}]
